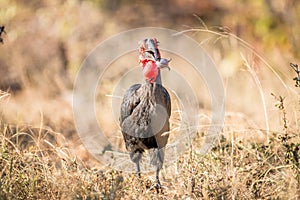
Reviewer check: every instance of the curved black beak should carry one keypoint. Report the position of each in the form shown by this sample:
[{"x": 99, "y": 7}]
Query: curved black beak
[{"x": 151, "y": 49}]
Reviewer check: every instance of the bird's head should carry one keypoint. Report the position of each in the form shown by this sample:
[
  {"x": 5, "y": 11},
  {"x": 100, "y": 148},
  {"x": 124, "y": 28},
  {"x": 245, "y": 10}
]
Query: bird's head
[
  {"x": 148, "y": 48},
  {"x": 150, "y": 60}
]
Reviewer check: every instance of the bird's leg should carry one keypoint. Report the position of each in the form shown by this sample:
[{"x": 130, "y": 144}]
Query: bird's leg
[
  {"x": 138, "y": 170},
  {"x": 157, "y": 182},
  {"x": 157, "y": 156},
  {"x": 159, "y": 163},
  {"x": 135, "y": 157}
]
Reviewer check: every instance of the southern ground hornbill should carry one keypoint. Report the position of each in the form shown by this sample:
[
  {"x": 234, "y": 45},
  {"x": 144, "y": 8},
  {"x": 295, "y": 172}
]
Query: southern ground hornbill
[{"x": 146, "y": 109}]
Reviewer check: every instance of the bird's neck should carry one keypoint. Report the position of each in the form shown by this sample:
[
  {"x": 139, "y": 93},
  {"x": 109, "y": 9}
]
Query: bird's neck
[
  {"x": 158, "y": 78},
  {"x": 157, "y": 81}
]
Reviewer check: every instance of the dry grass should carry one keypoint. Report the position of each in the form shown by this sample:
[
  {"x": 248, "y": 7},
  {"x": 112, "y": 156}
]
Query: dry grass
[{"x": 37, "y": 163}]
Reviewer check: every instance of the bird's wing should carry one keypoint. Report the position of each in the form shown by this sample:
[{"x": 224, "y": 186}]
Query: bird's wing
[
  {"x": 162, "y": 97},
  {"x": 130, "y": 101},
  {"x": 129, "y": 126}
]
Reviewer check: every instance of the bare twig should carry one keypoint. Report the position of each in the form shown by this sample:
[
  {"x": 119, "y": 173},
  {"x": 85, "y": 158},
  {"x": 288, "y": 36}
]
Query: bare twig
[{"x": 297, "y": 78}]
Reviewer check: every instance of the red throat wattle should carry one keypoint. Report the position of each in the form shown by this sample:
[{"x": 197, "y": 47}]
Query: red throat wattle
[{"x": 150, "y": 71}]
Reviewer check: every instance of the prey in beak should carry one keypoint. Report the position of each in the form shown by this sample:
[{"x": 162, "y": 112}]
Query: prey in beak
[{"x": 163, "y": 63}]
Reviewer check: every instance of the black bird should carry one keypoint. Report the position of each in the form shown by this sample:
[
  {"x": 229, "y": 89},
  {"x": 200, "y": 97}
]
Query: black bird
[{"x": 146, "y": 109}]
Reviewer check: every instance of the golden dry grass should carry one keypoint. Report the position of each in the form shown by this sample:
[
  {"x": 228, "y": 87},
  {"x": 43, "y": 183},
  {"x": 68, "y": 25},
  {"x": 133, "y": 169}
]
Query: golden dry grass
[
  {"x": 35, "y": 166},
  {"x": 39, "y": 163}
]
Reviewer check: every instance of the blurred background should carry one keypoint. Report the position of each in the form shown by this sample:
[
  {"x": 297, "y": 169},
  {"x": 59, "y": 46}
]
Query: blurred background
[{"x": 46, "y": 42}]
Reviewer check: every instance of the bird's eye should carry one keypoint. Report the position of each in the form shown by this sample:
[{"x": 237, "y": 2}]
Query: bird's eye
[{"x": 151, "y": 53}]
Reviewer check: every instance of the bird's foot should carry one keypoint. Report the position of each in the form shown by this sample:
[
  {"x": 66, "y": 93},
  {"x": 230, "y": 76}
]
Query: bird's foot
[{"x": 157, "y": 186}]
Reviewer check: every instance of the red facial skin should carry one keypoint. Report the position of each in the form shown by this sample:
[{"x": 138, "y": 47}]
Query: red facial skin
[{"x": 150, "y": 69}]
